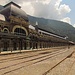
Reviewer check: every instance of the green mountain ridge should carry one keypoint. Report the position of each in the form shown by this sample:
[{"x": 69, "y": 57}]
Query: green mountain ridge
[
  {"x": 1, "y": 7},
  {"x": 54, "y": 26}
]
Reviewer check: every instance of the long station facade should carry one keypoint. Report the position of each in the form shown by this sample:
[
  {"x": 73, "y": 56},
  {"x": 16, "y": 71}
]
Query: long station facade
[{"x": 16, "y": 32}]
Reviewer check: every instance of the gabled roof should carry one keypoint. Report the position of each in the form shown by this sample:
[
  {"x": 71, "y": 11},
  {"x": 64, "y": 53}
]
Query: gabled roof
[{"x": 13, "y": 4}]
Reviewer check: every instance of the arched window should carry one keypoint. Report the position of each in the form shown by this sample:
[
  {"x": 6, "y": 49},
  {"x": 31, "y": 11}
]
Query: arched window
[
  {"x": 20, "y": 31},
  {"x": 5, "y": 30}
]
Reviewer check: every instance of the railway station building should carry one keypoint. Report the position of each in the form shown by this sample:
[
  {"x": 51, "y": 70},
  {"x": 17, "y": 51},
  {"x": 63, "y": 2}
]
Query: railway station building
[{"x": 16, "y": 32}]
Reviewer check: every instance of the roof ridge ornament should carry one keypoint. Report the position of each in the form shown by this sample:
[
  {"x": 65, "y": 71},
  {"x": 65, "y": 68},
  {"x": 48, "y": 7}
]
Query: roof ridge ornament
[{"x": 36, "y": 23}]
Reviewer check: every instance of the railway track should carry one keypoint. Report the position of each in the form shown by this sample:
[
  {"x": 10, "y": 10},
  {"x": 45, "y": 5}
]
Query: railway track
[
  {"x": 34, "y": 57},
  {"x": 26, "y": 61},
  {"x": 66, "y": 67}
]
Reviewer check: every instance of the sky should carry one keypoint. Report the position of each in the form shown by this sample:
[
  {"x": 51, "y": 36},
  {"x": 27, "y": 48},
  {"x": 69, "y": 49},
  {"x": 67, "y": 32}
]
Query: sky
[{"x": 62, "y": 10}]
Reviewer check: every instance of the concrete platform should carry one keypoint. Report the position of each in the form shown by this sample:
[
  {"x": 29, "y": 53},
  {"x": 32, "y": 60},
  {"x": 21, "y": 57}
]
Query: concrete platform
[
  {"x": 31, "y": 50},
  {"x": 37, "y": 63}
]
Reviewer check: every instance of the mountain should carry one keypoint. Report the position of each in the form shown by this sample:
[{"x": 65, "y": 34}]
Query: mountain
[
  {"x": 1, "y": 7},
  {"x": 54, "y": 26}
]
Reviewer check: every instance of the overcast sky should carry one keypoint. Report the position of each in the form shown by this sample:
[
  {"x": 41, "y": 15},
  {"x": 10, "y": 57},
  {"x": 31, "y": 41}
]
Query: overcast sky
[{"x": 62, "y": 10}]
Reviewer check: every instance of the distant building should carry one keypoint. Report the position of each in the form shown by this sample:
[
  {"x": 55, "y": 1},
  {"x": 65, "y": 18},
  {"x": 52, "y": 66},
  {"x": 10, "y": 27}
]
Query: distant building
[{"x": 16, "y": 33}]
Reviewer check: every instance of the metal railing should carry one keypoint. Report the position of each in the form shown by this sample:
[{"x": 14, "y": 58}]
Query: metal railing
[{"x": 2, "y": 34}]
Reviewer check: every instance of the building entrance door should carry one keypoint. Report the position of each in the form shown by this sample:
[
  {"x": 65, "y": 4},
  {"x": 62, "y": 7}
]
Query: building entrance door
[
  {"x": 15, "y": 46},
  {"x": 5, "y": 46},
  {"x": 21, "y": 44},
  {"x": 25, "y": 45}
]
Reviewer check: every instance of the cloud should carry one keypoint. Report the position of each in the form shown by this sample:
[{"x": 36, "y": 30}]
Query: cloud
[
  {"x": 64, "y": 9},
  {"x": 50, "y": 9},
  {"x": 74, "y": 25},
  {"x": 67, "y": 19},
  {"x": 3, "y": 2}
]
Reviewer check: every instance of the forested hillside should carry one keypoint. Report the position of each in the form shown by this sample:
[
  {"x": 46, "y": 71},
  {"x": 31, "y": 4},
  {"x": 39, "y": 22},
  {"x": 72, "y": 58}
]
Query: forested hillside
[{"x": 57, "y": 27}]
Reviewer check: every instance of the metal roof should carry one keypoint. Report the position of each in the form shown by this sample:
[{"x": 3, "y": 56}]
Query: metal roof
[{"x": 13, "y": 9}]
